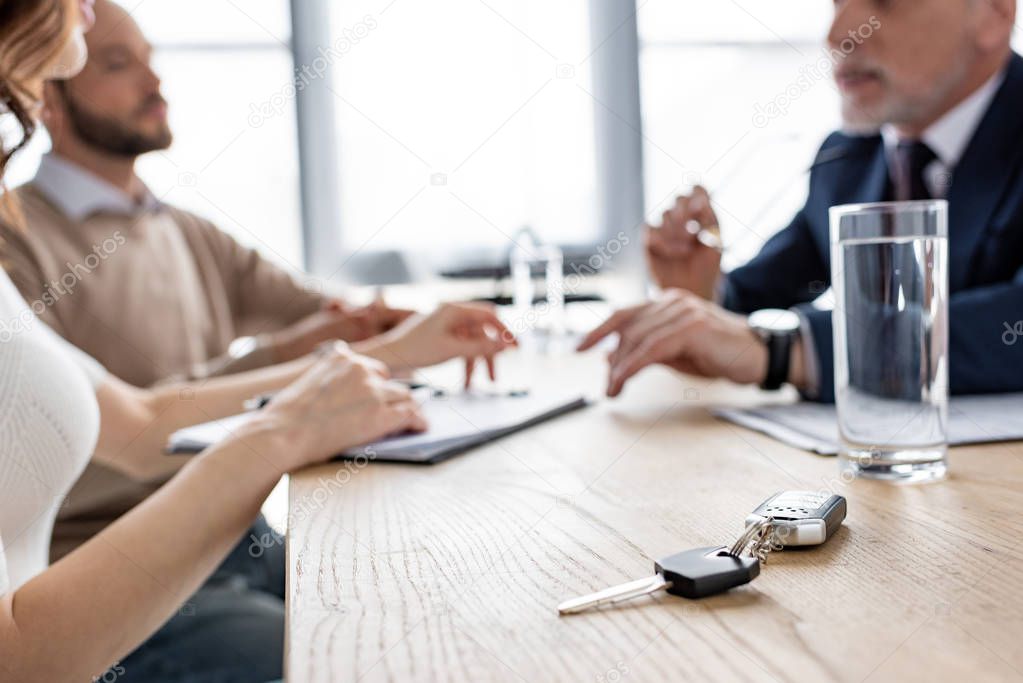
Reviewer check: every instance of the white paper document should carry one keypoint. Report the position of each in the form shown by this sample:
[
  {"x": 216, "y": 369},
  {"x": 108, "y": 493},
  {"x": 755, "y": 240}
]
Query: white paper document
[
  {"x": 813, "y": 426},
  {"x": 457, "y": 422}
]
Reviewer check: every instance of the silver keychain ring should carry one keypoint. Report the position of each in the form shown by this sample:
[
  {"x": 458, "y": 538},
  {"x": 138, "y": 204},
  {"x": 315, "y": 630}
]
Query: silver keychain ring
[{"x": 764, "y": 526}]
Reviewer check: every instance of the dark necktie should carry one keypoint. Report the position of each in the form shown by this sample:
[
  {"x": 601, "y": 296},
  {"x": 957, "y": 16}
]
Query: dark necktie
[{"x": 911, "y": 158}]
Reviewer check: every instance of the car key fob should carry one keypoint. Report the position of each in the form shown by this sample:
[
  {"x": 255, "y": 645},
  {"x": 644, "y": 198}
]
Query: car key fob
[
  {"x": 701, "y": 572},
  {"x": 801, "y": 517}
]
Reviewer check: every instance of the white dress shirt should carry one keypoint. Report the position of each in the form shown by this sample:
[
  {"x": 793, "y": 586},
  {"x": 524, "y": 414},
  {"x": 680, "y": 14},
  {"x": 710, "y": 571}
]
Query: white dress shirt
[{"x": 949, "y": 136}]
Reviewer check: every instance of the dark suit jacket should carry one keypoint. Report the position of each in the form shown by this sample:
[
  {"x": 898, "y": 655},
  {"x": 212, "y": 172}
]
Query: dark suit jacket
[{"x": 985, "y": 246}]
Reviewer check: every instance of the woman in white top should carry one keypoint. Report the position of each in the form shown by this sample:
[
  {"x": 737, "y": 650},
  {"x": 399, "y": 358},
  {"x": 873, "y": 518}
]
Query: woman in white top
[{"x": 58, "y": 408}]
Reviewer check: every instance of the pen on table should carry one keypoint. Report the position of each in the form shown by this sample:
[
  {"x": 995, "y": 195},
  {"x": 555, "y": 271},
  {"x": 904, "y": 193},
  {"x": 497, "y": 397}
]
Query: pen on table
[
  {"x": 261, "y": 400},
  {"x": 257, "y": 402}
]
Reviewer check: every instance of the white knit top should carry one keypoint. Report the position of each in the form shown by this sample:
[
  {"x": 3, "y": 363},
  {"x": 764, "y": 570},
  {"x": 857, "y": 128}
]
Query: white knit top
[{"x": 49, "y": 421}]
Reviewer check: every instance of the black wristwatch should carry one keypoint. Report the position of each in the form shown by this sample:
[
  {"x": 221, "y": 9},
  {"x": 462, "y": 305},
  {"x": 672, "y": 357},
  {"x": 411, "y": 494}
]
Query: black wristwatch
[{"x": 777, "y": 328}]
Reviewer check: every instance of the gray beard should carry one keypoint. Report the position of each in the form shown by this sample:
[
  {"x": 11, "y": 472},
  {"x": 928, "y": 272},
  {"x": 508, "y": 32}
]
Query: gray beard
[{"x": 899, "y": 111}]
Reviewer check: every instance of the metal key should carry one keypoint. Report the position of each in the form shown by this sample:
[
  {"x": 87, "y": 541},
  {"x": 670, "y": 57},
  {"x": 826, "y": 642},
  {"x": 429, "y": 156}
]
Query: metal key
[{"x": 693, "y": 573}]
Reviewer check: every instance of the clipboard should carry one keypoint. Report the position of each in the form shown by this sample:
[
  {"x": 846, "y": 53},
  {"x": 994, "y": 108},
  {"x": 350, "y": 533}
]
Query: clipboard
[{"x": 458, "y": 423}]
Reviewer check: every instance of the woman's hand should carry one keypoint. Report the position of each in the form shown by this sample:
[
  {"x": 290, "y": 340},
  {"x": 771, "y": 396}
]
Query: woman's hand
[
  {"x": 471, "y": 331},
  {"x": 343, "y": 400}
]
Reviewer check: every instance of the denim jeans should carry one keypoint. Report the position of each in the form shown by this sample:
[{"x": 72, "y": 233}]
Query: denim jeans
[{"x": 230, "y": 631}]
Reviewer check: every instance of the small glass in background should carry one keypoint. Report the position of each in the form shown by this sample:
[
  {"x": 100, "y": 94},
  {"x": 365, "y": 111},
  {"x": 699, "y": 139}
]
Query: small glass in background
[{"x": 545, "y": 319}]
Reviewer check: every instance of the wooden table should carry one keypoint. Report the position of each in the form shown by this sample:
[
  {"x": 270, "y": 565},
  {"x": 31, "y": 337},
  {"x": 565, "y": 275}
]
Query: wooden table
[{"x": 453, "y": 571}]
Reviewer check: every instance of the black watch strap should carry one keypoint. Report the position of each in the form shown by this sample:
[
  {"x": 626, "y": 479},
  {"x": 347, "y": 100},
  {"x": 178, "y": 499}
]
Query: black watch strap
[{"x": 779, "y": 354}]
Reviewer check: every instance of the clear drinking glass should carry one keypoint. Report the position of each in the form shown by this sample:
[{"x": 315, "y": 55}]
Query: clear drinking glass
[
  {"x": 528, "y": 255},
  {"x": 890, "y": 276}
]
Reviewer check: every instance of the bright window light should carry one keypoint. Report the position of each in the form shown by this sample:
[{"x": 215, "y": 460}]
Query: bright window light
[
  {"x": 459, "y": 121},
  {"x": 708, "y": 70},
  {"x": 228, "y": 165}
]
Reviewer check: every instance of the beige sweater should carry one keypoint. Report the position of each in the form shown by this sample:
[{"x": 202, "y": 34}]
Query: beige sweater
[{"x": 154, "y": 295}]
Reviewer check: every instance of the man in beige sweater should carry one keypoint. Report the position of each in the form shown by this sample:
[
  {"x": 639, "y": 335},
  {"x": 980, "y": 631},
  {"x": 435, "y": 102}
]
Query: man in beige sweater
[{"x": 156, "y": 293}]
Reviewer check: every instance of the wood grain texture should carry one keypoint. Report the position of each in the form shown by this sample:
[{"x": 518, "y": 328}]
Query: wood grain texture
[{"x": 452, "y": 572}]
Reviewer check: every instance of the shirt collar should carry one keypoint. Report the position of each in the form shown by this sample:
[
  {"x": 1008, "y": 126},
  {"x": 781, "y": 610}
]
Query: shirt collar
[
  {"x": 80, "y": 194},
  {"x": 948, "y": 136}
]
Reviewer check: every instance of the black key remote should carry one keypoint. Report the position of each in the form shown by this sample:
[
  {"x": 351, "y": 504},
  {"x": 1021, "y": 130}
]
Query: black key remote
[{"x": 701, "y": 572}]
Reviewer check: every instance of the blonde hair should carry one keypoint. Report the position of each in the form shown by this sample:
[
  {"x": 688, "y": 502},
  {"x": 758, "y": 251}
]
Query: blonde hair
[{"x": 32, "y": 35}]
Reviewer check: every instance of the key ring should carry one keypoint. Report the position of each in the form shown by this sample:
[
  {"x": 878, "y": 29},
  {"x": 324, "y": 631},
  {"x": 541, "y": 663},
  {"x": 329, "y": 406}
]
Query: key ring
[{"x": 762, "y": 535}]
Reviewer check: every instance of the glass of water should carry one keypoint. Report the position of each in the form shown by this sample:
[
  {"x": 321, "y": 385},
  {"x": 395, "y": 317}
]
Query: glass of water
[
  {"x": 889, "y": 266},
  {"x": 529, "y": 255}
]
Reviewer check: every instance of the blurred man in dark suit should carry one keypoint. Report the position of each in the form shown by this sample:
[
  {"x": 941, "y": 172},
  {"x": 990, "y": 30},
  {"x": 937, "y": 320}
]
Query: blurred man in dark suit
[{"x": 932, "y": 103}]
